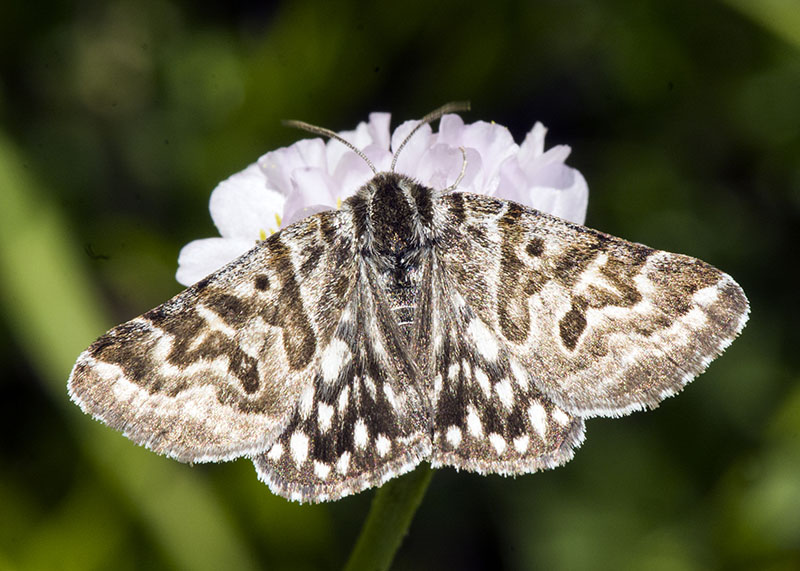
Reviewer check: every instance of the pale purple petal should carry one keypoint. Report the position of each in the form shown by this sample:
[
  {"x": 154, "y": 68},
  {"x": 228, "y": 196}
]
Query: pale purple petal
[
  {"x": 415, "y": 148},
  {"x": 532, "y": 156},
  {"x": 199, "y": 258},
  {"x": 312, "y": 186},
  {"x": 374, "y": 133},
  {"x": 572, "y": 201},
  {"x": 350, "y": 174},
  {"x": 381, "y": 158},
  {"x": 493, "y": 141},
  {"x": 555, "y": 188},
  {"x": 533, "y": 145},
  {"x": 451, "y": 131},
  {"x": 379, "y": 129},
  {"x": 279, "y": 165},
  {"x": 441, "y": 166}
]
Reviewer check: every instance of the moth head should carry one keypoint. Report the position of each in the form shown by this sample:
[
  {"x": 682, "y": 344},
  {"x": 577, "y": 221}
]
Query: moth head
[
  {"x": 393, "y": 217},
  {"x": 395, "y": 211}
]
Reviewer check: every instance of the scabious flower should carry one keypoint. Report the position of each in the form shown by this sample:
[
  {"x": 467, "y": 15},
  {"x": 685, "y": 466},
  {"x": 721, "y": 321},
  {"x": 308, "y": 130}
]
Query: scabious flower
[{"x": 311, "y": 175}]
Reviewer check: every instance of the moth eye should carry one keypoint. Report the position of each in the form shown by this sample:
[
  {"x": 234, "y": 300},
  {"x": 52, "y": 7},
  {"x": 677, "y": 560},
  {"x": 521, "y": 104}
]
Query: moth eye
[{"x": 261, "y": 282}]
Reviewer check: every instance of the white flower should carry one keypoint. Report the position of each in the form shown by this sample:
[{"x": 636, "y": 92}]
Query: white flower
[{"x": 311, "y": 175}]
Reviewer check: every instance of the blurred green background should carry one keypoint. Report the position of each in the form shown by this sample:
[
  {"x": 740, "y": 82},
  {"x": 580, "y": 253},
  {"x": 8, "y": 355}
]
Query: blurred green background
[{"x": 118, "y": 118}]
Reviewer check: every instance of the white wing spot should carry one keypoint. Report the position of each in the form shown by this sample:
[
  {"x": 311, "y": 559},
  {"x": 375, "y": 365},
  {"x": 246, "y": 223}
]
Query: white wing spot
[
  {"x": 390, "y": 396},
  {"x": 695, "y": 319},
  {"x": 483, "y": 381},
  {"x": 498, "y": 442},
  {"x": 377, "y": 344},
  {"x": 360, "y": 433},
  {"x": 505, "y": 393},
  {"x": 473, "y": 422},
  {"x": 298, "y": 444},
  {"x": 321, "y": 470},
  {"x": 452, "y": 371},
  {"x": 520, "y": 374},
  {"x": 538, "y": 416},
  {"x": 453, "y": 436},
  {"x": 336, "y": 355},
  {"x": 466, "y": 367},
  {"x": 343, "y": 463},
  {"x": 193, "y": 409},
  {"x": 706, "y": 296},
  {"x": 560, "y": 416},
  {"x": 123, "y": 389},
  {"x": 484, "y": 339},
  {"x": 437, "y": 384},
  {"x": 306, "y": 402},
  {"x": 343, "y": 396},
  {"x": 325, "y": 416},
  {"x": 521, "y": 443},
  {"x": 370, "y": 385},
  {"x": 275, "y": 452},
  {"x": 382, "y": 445}
]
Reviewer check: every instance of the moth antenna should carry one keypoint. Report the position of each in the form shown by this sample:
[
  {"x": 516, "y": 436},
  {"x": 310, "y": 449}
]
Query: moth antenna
[
  {"x": 331, "y": 135},
  {"x": 454, "y": 186},
  {"x": 430, "y": 118}
]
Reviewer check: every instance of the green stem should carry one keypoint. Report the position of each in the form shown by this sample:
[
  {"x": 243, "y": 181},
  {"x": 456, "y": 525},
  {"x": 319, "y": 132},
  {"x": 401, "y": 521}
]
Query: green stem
[{"x": 392, "y": 510}]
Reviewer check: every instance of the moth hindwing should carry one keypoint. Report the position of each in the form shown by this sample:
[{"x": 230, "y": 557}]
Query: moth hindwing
[{"x": 410, "y": 325}]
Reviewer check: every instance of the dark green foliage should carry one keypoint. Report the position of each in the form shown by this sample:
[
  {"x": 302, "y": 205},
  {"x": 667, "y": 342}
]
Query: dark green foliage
[{"x": 116, "y": 121}]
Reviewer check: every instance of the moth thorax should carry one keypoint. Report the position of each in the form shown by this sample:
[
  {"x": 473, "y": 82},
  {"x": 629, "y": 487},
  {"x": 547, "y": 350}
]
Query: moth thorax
[{"x": 394, "y": 218}]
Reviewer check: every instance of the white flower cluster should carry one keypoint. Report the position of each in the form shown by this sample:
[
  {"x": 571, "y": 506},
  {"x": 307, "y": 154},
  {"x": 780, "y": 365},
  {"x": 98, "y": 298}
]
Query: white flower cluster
[{"x": 311, "y": 175}]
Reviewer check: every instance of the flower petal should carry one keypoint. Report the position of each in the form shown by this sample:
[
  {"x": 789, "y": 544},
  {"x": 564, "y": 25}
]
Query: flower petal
[
  {"x": 557, "y": 189},
  {"x": 352, "y": 173},
  {"x": 199, "y": 258},
  {"x": 414, "y": 149},
  {"x": 441, "y": 166},
  {"x": 571, "y": 202},
  {"x": 279, "y": 165},
  {"x": 375, "y": 133},
  {"x": 242, "y": 205},
  {"x": 532, "y": 155},
  {"x": 312, "y": 186}
]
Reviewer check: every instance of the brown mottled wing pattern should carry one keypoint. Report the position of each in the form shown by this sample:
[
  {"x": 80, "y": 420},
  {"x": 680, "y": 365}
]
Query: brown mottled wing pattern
[
  {"x": 603, "y": 326},
  {"x": 216, "y": 372},
  {"x": 489, "y": 416},
  {"x": 364, "y": 419}
]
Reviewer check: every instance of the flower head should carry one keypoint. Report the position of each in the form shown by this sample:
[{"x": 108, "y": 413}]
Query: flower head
[{"x": 311, "y": 175}]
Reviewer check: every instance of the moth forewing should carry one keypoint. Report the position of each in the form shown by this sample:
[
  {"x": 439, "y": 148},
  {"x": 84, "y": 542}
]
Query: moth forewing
[{"x": 606, "y": 326}]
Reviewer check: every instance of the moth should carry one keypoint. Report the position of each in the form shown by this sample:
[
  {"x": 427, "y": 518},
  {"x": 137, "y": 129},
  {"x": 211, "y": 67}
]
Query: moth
[{"x": 409, "y": 325}]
